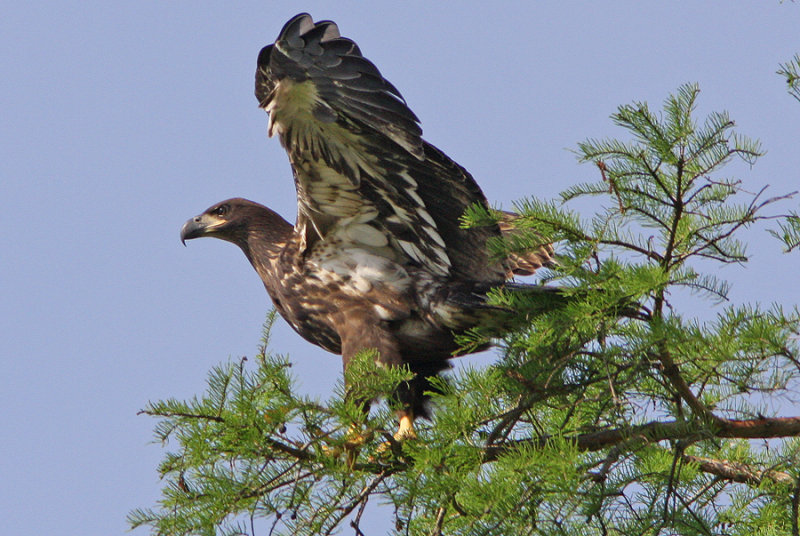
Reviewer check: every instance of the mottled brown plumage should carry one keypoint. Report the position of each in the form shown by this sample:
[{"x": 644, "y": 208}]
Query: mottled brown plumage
[{"x": 377, "y": 258}]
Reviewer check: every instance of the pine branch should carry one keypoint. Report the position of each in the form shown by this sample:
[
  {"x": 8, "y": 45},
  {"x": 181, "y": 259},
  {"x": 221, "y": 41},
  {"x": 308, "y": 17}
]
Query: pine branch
[
  {"x": 740, "y": 472},
  {"x": 654, "y": 432},
  {"x": 676, "y": 379},
  {"x": 791, "y": 72},
  {"x": 789, "y": 231}
]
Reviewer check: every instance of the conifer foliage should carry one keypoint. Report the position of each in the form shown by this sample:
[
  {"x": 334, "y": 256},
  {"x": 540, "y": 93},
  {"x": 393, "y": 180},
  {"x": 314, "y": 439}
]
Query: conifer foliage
[
  {"x": 645, "y": 404},
  {"x": 791, "y": 72}
]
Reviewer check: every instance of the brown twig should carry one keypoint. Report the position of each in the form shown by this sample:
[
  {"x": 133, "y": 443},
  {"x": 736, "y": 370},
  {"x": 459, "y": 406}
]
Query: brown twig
[
  {"x": 673, "y": 374},
  {"x": 674, "y": 470},
  {"x": 796, "y": 508},
  {"x": 361, "y": 501},
  {"x": 612, "y": 186},
  {"x": 739, "y": 472},
  {"x": 437, "y": 529}
]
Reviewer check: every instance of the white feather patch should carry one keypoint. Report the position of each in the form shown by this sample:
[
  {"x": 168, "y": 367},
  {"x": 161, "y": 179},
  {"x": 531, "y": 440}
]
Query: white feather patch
[
  {"x": 415, "y": 197},
  {"x": 427, "y": 217},
  {"x": 366, "y": 234},
  {"x": 434, "y": 234},
  {"x": 409, "y": 179}
]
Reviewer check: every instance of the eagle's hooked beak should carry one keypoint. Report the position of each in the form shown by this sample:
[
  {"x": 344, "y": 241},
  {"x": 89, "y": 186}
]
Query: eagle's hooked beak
[{"x": 193, "y": 228}]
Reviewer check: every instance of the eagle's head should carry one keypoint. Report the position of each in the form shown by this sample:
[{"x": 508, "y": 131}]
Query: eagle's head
[
  {"x": 234, "y": 220},
  {"x": 223, "y": 220}
]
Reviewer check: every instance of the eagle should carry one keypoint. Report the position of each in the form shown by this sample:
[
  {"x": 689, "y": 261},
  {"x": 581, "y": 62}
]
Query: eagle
[{"x": 377, "y": 258}]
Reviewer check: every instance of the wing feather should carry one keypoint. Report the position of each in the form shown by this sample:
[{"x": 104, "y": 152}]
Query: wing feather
[{"x": 358, "y": 155}]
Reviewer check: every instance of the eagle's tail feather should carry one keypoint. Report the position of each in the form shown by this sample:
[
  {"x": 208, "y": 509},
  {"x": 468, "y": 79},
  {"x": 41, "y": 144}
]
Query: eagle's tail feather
[{"x": 528, "y": 262}]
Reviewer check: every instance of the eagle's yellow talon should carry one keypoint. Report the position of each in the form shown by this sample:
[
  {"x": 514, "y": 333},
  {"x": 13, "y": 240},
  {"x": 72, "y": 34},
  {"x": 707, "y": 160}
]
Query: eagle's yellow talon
[
  {"x": 354, "y": 440},
  {"x": 406, "y": 428},
  {"x": 405, "y": 431}
]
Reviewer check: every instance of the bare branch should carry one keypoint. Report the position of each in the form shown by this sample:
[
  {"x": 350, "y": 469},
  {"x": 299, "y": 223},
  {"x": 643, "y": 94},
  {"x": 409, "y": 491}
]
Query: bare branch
[
  {"x": 653, "y": 432},
  {"x": 739, "y": 472}
]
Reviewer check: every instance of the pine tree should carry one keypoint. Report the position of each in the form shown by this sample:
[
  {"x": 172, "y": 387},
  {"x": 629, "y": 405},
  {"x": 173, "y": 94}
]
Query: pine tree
[{"x": 619, "y": 412}]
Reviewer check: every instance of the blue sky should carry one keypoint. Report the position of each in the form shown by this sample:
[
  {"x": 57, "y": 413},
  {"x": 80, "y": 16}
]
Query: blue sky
[{"x": 121, "y": 120}]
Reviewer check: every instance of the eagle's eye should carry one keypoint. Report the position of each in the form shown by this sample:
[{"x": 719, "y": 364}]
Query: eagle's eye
[{"x": 220, "y": 210}]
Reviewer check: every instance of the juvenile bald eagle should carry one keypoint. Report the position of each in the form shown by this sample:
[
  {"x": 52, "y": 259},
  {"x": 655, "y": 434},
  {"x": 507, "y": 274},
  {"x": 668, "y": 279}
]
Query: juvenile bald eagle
[{"x": 376, "y": 258}]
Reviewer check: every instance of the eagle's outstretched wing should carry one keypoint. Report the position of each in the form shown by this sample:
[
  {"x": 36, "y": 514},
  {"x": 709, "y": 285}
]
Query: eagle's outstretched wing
[{"x": 361, "y": 167}]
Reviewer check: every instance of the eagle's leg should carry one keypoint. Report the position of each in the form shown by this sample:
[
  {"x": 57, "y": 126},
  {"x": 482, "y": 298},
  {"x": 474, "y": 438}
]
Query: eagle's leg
[
  {"x": 413, "y": 397},
  {"x": 410, "y": 399},
  {"x": 363, "y": 330}
]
